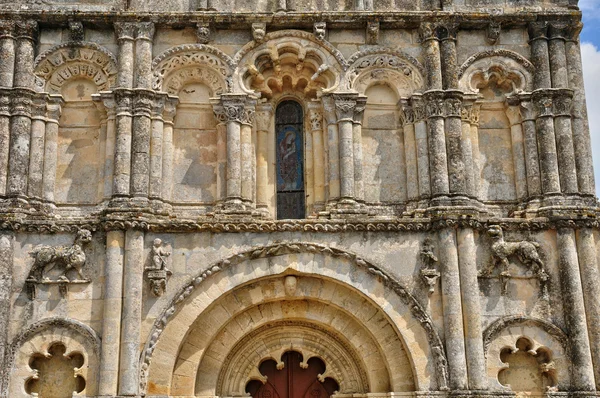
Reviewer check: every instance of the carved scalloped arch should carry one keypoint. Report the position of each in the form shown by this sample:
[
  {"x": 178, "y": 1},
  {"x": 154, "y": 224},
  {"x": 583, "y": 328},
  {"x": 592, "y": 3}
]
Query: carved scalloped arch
[
  {"x": 524, "y": 62},
  {"x": 496, "y": 327},
  {"x": 417, "y": 311},
  {"x": 192, "y": 61},
  {"x": 64, "y": 61},
  {"x": 373, "y": 66},
  {"x": 41, "y": 326}
]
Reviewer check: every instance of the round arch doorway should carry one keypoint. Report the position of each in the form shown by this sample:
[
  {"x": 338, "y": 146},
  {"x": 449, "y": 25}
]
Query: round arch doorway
[{"x": 292, "y": 378}]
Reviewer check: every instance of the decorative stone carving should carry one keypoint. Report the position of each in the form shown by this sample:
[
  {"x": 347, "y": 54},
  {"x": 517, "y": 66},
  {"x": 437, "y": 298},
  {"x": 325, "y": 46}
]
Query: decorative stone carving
[
  {"x": 372, "y": 32},
  {"x": 157, "y": 272},
  {"x": 203, "y": 33},
  {"x": 259, "y": 31},
  {"x": 526, "y": 251},
  {"x": 67, "y": 61},
  {"x": 320, "y": 30},
  {"x": 429, "y": 272},
  {"x": 493, "y": 32},
  {"x": 71, "y": 257},
  {"x": 76, "y": 32}
]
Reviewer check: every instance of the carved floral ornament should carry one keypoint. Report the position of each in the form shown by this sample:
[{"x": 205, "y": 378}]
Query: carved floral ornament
[
  {"x": 192, "y": 63},
  {"x": 69, "y": 61},
  {"x": 402, "y": 72},
  {"x": 509, "y": 70}
]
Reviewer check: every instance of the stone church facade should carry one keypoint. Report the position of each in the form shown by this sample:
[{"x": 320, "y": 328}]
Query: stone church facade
[{"x": 225, "y": 198}]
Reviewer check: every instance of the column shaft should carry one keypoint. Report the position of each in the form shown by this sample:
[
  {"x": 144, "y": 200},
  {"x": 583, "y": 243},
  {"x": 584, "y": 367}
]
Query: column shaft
[
  {"x": 4, "y": 138},
  {"x": 168, "y": 150},
  {"x": 20, "y": 135},
  {"x": 333, "y": 176},
  {"x": 453, "y": 132},
  {"x": 359, "y": 189},
  {"x": 539, "y": 54},
  {"x": 247, "y": 155},
  {"x": 36, "y": 155},
  {"x": 7, "y": 53},
  {"x": 264, "y": 114},
  {"x": 532, "y": 162},
  {"x": 518, "y": 151},
  {"x": 588, "y": 268},
  {"x": 132, "y": 313},
  {"x": 111, "y": 321},
  {"x": 467, "y": 149},
  {"x": 475, "y": 150},
  {"x": 546, "y": 142},
  {"x": 122, "y": 172},
  {"x": 140, "y": 143},
  {"x": 418, "y": 109},
  {"x": 316, "y": 127},
  {"x": 564, "y": 141},
  {"x": 345, "y": 105},
  {"x": 433, "y": 61},
  {"x": 6, "y": 283},
  {"x": 467, "y": 256},
  {"x": 51, "y": 148},
  {"x": 438, "y": 164},
  {"x": 143, "y": 55},
  {"x": 125, "y": 32},
  {"x": 25, "y": 54},
  {"x": 410, "y": 151},
  {"x": 156, "y": 151},
  {"x": 453, "y": 311}
]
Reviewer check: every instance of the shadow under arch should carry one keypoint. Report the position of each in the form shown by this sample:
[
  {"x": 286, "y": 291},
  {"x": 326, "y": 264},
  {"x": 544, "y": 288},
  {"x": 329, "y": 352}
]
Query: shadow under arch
[{"x": 427, "y": 343}]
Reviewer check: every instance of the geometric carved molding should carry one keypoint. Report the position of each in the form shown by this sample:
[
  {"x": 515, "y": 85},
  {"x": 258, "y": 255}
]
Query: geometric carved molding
[{"x": 272, "y": 341}]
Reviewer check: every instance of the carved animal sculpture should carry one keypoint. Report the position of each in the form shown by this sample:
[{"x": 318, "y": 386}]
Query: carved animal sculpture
[
  {"x": 71, "y": 257},
  {"x": 526, "y": 251}
]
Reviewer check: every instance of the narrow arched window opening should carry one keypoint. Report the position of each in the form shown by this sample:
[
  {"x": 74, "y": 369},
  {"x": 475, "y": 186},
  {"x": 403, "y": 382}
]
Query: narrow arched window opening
[{"x": 289, "y": 132}]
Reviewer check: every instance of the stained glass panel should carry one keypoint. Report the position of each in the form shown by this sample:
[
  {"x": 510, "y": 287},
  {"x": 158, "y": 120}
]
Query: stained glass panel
[{"x": 290, "y": 160}]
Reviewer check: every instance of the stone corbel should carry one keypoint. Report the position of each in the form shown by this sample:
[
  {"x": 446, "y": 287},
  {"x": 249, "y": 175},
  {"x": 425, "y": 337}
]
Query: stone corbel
[
  {"x": 203, "y": 33},
  {"x": 157, "y": 272},
  {"x": 320, "y": 30},
  {"x": 372, "y": 32},
  {"x": 76, "y": 32},
  {"x": 429, "y": 272},
  {"x": 259, "y": 31},
  {"x": 493, "y": 32}
]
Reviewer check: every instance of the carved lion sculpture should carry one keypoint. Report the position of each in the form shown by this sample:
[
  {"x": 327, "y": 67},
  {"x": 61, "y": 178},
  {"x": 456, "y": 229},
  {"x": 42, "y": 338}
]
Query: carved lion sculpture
[
  {"x": 526, "y": 251},
  {"x": 71, "y": 257}
]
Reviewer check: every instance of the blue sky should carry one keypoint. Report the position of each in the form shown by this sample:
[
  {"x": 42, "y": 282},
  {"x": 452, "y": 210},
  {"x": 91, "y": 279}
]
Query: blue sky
[{"x": 590, "y": 51}]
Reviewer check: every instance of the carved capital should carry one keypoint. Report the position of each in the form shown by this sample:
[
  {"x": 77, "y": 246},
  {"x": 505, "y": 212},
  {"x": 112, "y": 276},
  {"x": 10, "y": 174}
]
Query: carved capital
[
  {"x": 259, "y": 31},
  {"x": 7, "y": 29},
  {"x": 562, "y": 102},
  {"x": 372, "y": 32},
  {"x": 427, "y": 31},
  {"x": 264, "y": 114},
  {"x": 203, "y": 33},
  {"x": 475, "y": 111},
  {"x": 315, "y": 115},
  {"x": 21, "y": 102},
  {"x": 124, "y": 30},
  {"x": 514, "y": 114},
  {"x": 143, "y": 102},
  {"x": 537, "y": 30},
  {"x": 453, "y": 105},
  {"x": 27, "y": 30},
  {"x": 170, "y": 109},
  {"x": 573, "y": 30},
  {"x": 329, "y": 109},
  {"x": 54, "y": 108},
  {"x": 38, "y": 108},
  {"x": 418, "y": 108},
  {"x": 406, "y": 114},
  {"x": 320, "y": 30},
  {"x": 434, "y": 104},
  {"x": 527, "y": 110},
  {"x": 145, "y": 31},
  {"x": 124, "y": 100},
  {"x": 359, "y": 111},
  {"x": 542, "y": 101},
  {"x": 76, "y": 31},
  {"x": 447, "y": 31},
  {"x": 345, "y": 105},
  {"x": 466, "y": 111},
  {"x": 234, "y": 108},
  {"x": 4, "y": 103},
  {"x": 557, "y": 30}
]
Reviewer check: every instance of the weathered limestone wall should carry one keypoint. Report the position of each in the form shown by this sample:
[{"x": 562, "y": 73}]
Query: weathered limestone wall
[{"x": 449, "y": 243}]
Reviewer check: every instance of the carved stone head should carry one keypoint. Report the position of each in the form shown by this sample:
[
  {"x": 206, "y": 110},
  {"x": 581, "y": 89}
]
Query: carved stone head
[
  {"x": 83, "y": 236},
  {"x": 320, "y": 29},
  {"x": 495, "y": 231}
]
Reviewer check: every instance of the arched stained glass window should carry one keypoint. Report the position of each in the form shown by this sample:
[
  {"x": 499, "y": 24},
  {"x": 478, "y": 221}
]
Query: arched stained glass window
[{"x": 289, "y": 133}]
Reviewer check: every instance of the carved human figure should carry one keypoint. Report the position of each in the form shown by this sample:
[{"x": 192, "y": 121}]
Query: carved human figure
[
  {"x": 159, "y": 256},
  {"x": 429, "y": 273}
]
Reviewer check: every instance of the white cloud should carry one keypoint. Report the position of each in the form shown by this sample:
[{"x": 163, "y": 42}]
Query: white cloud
[{"x": 591, "y": 75}]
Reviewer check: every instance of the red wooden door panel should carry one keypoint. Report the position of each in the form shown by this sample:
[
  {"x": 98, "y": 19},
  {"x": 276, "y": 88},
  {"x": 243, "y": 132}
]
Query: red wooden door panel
[{"x": 292, "y": 381}]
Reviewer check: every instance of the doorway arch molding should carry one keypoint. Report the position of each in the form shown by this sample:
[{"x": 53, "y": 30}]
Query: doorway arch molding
[{"x": 424, "y": 342}]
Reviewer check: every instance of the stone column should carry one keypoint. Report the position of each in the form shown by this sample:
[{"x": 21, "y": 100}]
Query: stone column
[
  {"x": 359, "y": 189},
  {"x": 447, "y": 37},
  {"x": 309, "y": 172},
  {"x": 7, "y": 240},
  {"x": 542, "y": 100},
  {"x": 433, "y": 62},
  {"x": 410, "y": 153},
  {"x": 574, "y": 309},
  {"x": 453, "y": 132},
  {"x": 538, "y": 43},
  {"x": 22, "y": 100},
  {"x": 420, "y": 125},
  {"x": 453, "y": 311},
  {"x": 143, "y": 55},
  {"x": 471, "y": 306},
  {"x": 588, "y": 268},
  {"x": 125, "y": 32},
  {"x": 467, "y": 148},
  {"x": 580, "y": 126},
  {"x": 247, "y": 154},
  {"x": 532, "y": 163},
  {"x": 333, "y": 176},
  {"x": 132, "y": 313},
  {"x": 36, "y": 155},
  {"x": 264, "y": 114},
  {"x": 438, "y": 164},
  {"x": 562, "y": 107},
  {"x": 516, "y": 132},
  {"x": 167, "y": 149},
  {"x": 4, "y": 138},
  {"x": 315, "y": 116},
  {"x": 111, "y": 321},
  {"x": 345, "y": 105},
  {"x": 475, "y": 110},
  {"x": 156, "y": 149},
  {"x": 51, "y": 147},
  {"x": 7, "y": 53},
  {"x": 109, "y": 107},
  {"x": 123, "y": 96}
]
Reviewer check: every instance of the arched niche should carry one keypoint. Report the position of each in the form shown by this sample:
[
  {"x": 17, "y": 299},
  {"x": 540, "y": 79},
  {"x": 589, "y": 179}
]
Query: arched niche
[
  {"x": 366, "y": 286},
  {"x": 288, "y": 58},
  {"x": 76, "y": 71},
  {"x": 536, "y": 346},
  {"x": 193, "y": 74},
  {"x": 43, "y": 339},
  {"x": 494, "y": 77}
]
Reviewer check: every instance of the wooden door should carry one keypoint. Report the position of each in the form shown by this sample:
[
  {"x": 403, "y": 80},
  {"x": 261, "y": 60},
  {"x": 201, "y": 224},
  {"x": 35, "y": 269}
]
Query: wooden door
[{"x": 292, "y": 381}]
